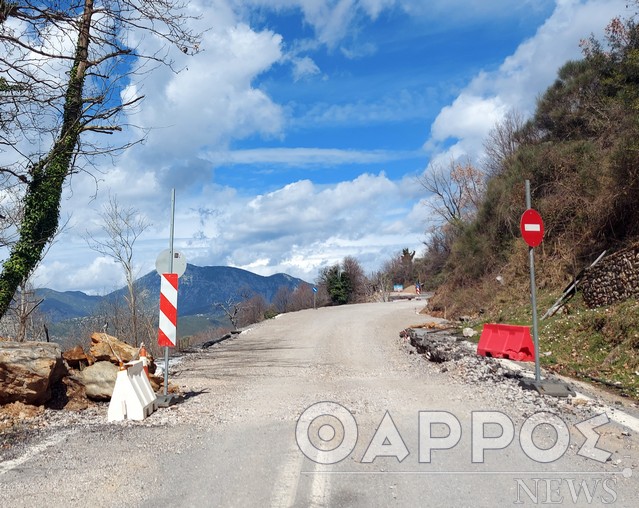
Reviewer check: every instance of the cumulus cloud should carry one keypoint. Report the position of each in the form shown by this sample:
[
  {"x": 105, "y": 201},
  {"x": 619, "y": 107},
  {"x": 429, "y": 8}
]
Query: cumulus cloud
[
  {"x": 212, "y": 100},
  {"x": 303, "y": 226},
  {"x": 100, "y": 276}
]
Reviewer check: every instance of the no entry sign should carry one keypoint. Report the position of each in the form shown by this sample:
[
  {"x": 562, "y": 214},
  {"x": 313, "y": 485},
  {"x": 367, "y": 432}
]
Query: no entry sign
[{"x": 532, "y": 227}]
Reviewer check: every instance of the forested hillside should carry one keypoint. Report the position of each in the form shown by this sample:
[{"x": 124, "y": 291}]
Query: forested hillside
[{"x": 580, "y": 151}]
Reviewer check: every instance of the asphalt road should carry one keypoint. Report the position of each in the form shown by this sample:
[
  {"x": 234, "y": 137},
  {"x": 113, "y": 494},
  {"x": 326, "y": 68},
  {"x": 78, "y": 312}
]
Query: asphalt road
[{"x": 326, "y": 408}]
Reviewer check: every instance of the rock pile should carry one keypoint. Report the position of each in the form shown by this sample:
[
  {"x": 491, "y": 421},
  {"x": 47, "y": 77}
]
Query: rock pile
[
  {"x": 615, "y": 278},
  {"x": 454, "y": 352},
  {"x": 37, "y": 373},
  {"x": 458, "y": 358}
]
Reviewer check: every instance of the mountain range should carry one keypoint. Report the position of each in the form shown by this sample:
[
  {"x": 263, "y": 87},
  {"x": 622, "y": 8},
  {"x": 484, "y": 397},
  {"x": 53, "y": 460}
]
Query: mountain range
[{"x": 200, "y": 288}]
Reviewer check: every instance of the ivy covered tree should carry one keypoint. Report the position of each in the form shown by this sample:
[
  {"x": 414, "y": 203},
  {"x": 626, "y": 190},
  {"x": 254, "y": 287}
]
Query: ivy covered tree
[{"x": 64, "y": 67}]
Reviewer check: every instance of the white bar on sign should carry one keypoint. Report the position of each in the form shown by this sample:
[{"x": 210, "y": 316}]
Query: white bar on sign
[{"x": 532, "y": 227}]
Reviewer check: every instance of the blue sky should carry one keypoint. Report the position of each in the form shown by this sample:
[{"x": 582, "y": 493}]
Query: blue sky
[{"x": 296, "y": 136}]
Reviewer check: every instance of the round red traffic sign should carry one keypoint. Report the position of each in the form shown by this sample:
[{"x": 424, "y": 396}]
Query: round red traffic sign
[{"x": 532, "y": 227}]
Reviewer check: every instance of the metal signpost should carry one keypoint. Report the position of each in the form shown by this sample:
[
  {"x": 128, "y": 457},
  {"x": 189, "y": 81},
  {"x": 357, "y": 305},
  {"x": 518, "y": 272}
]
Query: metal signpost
[
  {"x": 314, "y": 297},
  {"x": 532, "y": 231},
  {"x": 169, "y": 262}
]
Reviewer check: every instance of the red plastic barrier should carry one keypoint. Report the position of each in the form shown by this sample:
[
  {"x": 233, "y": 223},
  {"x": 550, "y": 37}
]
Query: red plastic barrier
[{"x": 507, "y": 341}]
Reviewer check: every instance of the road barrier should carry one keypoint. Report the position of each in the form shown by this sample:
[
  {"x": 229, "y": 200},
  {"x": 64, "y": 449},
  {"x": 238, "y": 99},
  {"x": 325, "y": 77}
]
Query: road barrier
[
  {"x": 506, "y": 341},
  {"x": 133, "y": 397}
]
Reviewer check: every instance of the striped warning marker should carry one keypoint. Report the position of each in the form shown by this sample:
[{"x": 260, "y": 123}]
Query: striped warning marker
[{"x": 168, "y": 310}]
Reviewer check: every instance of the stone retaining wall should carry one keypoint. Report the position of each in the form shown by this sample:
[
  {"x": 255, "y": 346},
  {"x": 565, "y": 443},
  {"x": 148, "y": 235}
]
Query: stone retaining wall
[{"x": 615, "y": 278}]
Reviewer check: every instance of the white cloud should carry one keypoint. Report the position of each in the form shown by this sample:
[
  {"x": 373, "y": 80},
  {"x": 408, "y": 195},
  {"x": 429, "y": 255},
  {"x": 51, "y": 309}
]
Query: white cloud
[
  {"x": 300, "y": 156},
  {"x": 303, "y": 225},
  {"x": 212, "y": 100},
  {"x": 468, "y": 118},
  {"x": 100, "y": 276},
  {"x": 304, "y": 67},
  {"x": 461, "y": 127},
  {"x": 295, "y": 229},
  {"x": 334, "y": 21}
]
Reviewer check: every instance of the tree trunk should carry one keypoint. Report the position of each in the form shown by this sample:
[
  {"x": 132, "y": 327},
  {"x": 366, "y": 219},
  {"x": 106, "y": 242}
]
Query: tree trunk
[{"x": 44, "y": 192}]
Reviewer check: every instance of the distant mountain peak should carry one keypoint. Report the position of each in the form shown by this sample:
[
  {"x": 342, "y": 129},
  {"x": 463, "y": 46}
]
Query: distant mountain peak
[{"x": 199, "y": 290}]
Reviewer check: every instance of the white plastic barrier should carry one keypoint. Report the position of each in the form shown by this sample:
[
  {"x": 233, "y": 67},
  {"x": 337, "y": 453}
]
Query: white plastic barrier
[{"x": 133, "y": 397}]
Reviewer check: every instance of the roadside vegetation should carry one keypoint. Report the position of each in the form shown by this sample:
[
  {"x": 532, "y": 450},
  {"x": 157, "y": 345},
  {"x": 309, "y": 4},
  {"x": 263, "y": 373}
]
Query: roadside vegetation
[{"x": 580, "y": 151}]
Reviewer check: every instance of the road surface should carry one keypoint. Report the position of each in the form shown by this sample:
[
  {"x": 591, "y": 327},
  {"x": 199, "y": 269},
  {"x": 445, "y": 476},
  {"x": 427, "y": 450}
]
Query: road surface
[{"x": 327, "y": 407}]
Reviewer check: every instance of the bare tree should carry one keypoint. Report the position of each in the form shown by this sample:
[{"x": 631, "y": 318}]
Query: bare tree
[
  {"x": 503, "y": 141},
  {"x": 302, "y": 298},
  {"x": 457, "y": 191},
  {"x": 232, "y": 308},
  {"x": 24, "y": 307},
  {"x": 10, "y": 213},
  {"x": 358, "y": 281},
  {"x": 63, "y": 67},
  {"x": 283, "y": 298},
  {"x": 121, "y": 227},
  {"x": 381, "y": 283}
]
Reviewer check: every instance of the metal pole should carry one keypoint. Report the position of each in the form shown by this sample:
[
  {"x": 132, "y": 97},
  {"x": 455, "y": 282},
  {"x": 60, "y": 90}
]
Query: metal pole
[
  {"x": 533, "y": 296},
  {"x": 166, "y": 348}
]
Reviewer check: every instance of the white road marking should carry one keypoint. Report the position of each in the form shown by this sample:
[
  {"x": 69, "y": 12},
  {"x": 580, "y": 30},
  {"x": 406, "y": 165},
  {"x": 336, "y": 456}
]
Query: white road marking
[
  {"x": 320, "y": 488},
  {"x": 33, "y": 451},
  {"x": 285, "y": 489}
]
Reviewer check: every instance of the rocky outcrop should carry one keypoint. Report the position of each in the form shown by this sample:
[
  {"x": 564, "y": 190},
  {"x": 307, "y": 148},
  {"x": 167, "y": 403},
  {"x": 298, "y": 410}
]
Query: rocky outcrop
[
  {"x": 28, "y": 371},
  {"x": 615, "y": 278}
]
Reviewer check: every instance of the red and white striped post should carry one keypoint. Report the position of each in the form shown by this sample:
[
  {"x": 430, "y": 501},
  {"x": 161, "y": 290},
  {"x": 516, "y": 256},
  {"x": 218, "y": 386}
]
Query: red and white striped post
[{"x": 167, "y": 333}]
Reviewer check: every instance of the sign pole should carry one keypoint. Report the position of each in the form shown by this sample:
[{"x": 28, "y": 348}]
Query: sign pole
[
  {"x": 166, "y": 348},
  {"x": 532, "y": 232},
  {"x": 533, "y": 296}
]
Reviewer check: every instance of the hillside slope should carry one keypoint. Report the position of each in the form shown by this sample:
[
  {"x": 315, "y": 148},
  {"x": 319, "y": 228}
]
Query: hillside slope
[{"x": 580, "y": 152}]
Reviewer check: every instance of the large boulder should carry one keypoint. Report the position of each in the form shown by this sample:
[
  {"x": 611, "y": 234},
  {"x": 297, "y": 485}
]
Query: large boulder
[
  {"x": 98, "y": 380},
  {"x": 76, "y": 358},
  {"x": 107, "y": 348},
  {"x": 28, "y": 370}
]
